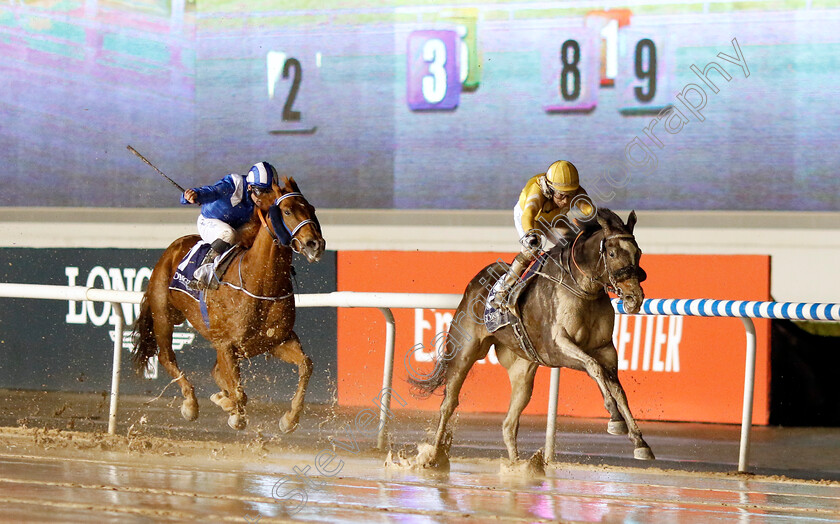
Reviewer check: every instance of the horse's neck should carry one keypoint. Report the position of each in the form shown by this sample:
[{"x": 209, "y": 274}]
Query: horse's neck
[
  {"x": 586, "y": 266},
  {"x": 248, "y": 233},
  {"x": 271, "y": 263}
]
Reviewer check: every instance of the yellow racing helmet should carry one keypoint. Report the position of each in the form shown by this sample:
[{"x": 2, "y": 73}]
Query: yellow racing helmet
[{"x": 562, "y": 176}]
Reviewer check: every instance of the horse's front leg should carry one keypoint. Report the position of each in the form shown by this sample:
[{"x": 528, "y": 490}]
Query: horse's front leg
[
  {"x": 291, "y": 351},
  {"x": 232, "y": 397},
  {"x": 604, "y": 371},
  {"x": 607, "y": 357}
]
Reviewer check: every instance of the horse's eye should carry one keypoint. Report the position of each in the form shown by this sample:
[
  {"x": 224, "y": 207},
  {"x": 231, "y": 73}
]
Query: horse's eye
[
  {"x": 287, "y": 213},
  {"x": 612, "y": 254}
]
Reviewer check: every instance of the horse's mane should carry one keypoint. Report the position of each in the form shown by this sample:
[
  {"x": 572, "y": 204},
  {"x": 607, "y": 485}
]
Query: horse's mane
[
  {"x": 247, "y": 232},
  {"x": 608, "y": 215},
  {"x": 592, "y": 226}
]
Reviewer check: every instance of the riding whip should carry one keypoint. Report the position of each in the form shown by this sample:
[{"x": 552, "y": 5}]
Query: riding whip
[{"x": 141, "y": 157}]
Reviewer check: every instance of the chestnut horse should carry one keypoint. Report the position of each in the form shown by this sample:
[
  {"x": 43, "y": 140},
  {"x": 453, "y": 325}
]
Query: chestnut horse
[
  {"x": 251, "y": 313},
  {"x": 568, "y": 316}
]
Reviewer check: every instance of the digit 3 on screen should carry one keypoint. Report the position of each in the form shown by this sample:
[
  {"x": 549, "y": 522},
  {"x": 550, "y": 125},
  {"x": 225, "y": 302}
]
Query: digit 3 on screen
[{"x": 443, "y": 62}]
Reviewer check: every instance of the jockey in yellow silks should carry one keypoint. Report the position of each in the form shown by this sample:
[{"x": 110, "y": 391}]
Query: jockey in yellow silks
[{"x": 548, "y": 205}]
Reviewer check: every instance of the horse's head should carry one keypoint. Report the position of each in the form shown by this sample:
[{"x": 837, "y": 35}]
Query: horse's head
[
  {"x": 621, "y": 255},
  {"x": 292, "y": 218}
]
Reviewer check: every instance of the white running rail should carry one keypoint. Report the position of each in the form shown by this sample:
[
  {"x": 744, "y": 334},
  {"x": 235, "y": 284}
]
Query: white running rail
[{"x": 746, "y": 310}]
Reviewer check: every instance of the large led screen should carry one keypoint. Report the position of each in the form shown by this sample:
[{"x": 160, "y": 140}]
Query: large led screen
[{"x": 423, "y": 104}]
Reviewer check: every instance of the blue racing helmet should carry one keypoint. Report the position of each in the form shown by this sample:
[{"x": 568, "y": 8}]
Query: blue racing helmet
[{"x": 261, "y": 175}]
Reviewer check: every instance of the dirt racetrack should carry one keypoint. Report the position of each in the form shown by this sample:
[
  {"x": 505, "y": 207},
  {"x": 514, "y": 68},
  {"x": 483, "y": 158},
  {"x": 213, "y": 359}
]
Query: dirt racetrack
[{"x": 58, "y": 465}]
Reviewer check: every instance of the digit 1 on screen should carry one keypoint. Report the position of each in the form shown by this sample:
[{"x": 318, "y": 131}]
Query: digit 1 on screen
[
  {"x": 645, "y": 71},
  {"x": 433, "y": 74},
  {"x": 466, "y": 21},
  {"x": 292, "y": 81},
  {"x": 608, "y": 23},
  {"x": 570, "y": 71}
]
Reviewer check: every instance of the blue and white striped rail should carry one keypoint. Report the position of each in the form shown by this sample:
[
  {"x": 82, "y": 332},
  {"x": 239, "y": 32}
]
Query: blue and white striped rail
[{"x": 705, "y": 307}]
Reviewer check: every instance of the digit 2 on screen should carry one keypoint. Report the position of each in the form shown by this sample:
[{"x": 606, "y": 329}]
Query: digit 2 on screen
[{"x": 292, "y": 83}]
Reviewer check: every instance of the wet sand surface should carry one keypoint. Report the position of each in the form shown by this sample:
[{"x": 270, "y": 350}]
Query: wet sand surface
[{"x": 58, "y": 465}]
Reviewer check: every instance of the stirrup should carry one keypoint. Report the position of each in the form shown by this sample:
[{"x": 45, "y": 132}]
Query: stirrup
[
  {"x": 500, "y": 299},
  {"x": 204, "y": 278}
]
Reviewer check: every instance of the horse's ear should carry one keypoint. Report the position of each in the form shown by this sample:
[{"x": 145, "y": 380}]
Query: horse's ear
[
  {"x": 603, "y": 223},
  {"x": 285, "y": 180},
  {"x": 631, "y": 221},
  {"x": 293, "y": 184}
]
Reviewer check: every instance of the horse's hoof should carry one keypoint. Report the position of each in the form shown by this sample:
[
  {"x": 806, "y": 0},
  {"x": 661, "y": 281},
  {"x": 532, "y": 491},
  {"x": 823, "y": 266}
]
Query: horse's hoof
[
  {"x": 237, "y": 421},
  {"x": 643, "y": 454},
  {"x": 222, "y": 400},
  {"x": 533, "y": 467},
  {"x": 617, "y": 427},
  {"x": 286, "y": 426},
  {"x": 430, "y": 457},
  {"x": 189, "y": 409}
]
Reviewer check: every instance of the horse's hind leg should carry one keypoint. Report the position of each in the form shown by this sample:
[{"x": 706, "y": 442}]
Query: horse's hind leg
[
  {"x": 232, "y": 397},
  {"x": 163, "y": 329},
  {"x": 456, "y": 372},
  {"x": 292, "y": 352},
  {"x": 616, "y": 425},
  {"x": 521, "y": 373}
]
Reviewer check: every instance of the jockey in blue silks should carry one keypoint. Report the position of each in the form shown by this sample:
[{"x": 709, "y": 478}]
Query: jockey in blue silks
[{"x": 225, "y": 206}]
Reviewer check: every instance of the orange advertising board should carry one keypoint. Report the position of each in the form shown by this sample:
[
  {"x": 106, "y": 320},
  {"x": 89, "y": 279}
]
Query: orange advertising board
[{"x": 672, "y": 368}]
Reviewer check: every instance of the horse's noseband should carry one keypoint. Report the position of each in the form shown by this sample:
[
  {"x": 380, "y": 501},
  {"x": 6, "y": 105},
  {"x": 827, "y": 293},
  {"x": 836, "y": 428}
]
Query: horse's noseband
[{"x": 628, "y": 272}]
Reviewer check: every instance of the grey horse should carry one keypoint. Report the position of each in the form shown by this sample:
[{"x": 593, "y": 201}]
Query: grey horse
[{"x": 567, "y": 315}]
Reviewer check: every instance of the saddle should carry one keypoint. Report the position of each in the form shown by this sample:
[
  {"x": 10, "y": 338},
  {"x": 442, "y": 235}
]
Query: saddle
[
  {"x": 497, "y": 318},
  {"x": 186, "y": 269}
]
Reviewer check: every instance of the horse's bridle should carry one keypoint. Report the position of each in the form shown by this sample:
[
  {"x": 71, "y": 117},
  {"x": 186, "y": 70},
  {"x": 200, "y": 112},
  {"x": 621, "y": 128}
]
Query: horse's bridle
[
  {"x": 291, "y": 232},
  {"x": 620, "y": 275}
]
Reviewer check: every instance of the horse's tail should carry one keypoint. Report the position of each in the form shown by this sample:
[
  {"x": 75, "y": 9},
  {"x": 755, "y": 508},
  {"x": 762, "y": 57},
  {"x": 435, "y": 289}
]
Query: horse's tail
[
  {"x": 145, "y": 345},
  {"x": 424, "y": 386}
]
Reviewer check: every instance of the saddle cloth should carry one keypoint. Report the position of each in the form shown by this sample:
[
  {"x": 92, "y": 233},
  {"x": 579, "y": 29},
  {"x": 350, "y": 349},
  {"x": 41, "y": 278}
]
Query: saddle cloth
[
  {"x": 184, "y": 272},
  {"x": 495, "y": 318}
]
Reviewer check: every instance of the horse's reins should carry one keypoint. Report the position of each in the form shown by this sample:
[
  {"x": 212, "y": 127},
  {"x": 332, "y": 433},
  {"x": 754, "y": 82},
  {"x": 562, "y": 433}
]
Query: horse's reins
[
  {"x": 577, "y": 291},
  {"x": 580, "y": 292}
]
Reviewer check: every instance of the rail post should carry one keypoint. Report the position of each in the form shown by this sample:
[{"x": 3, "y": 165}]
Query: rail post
[
  {"x": 387, "y": 378},
  {"x": 117, "y": 362},
  {"x": 749, "y": 389},
  {"x": 551, "y": 423}
]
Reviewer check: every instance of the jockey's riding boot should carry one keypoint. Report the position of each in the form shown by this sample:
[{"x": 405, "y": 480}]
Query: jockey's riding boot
[
  {"x": 205, "y": 275},
  {"x": 517, "y": 267}
]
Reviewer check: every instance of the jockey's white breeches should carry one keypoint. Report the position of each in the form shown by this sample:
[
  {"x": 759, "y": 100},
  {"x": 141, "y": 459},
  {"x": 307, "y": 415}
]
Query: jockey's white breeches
[
  {"x": 517, "y": 220},
  {"x": 212, "y": 229}
]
